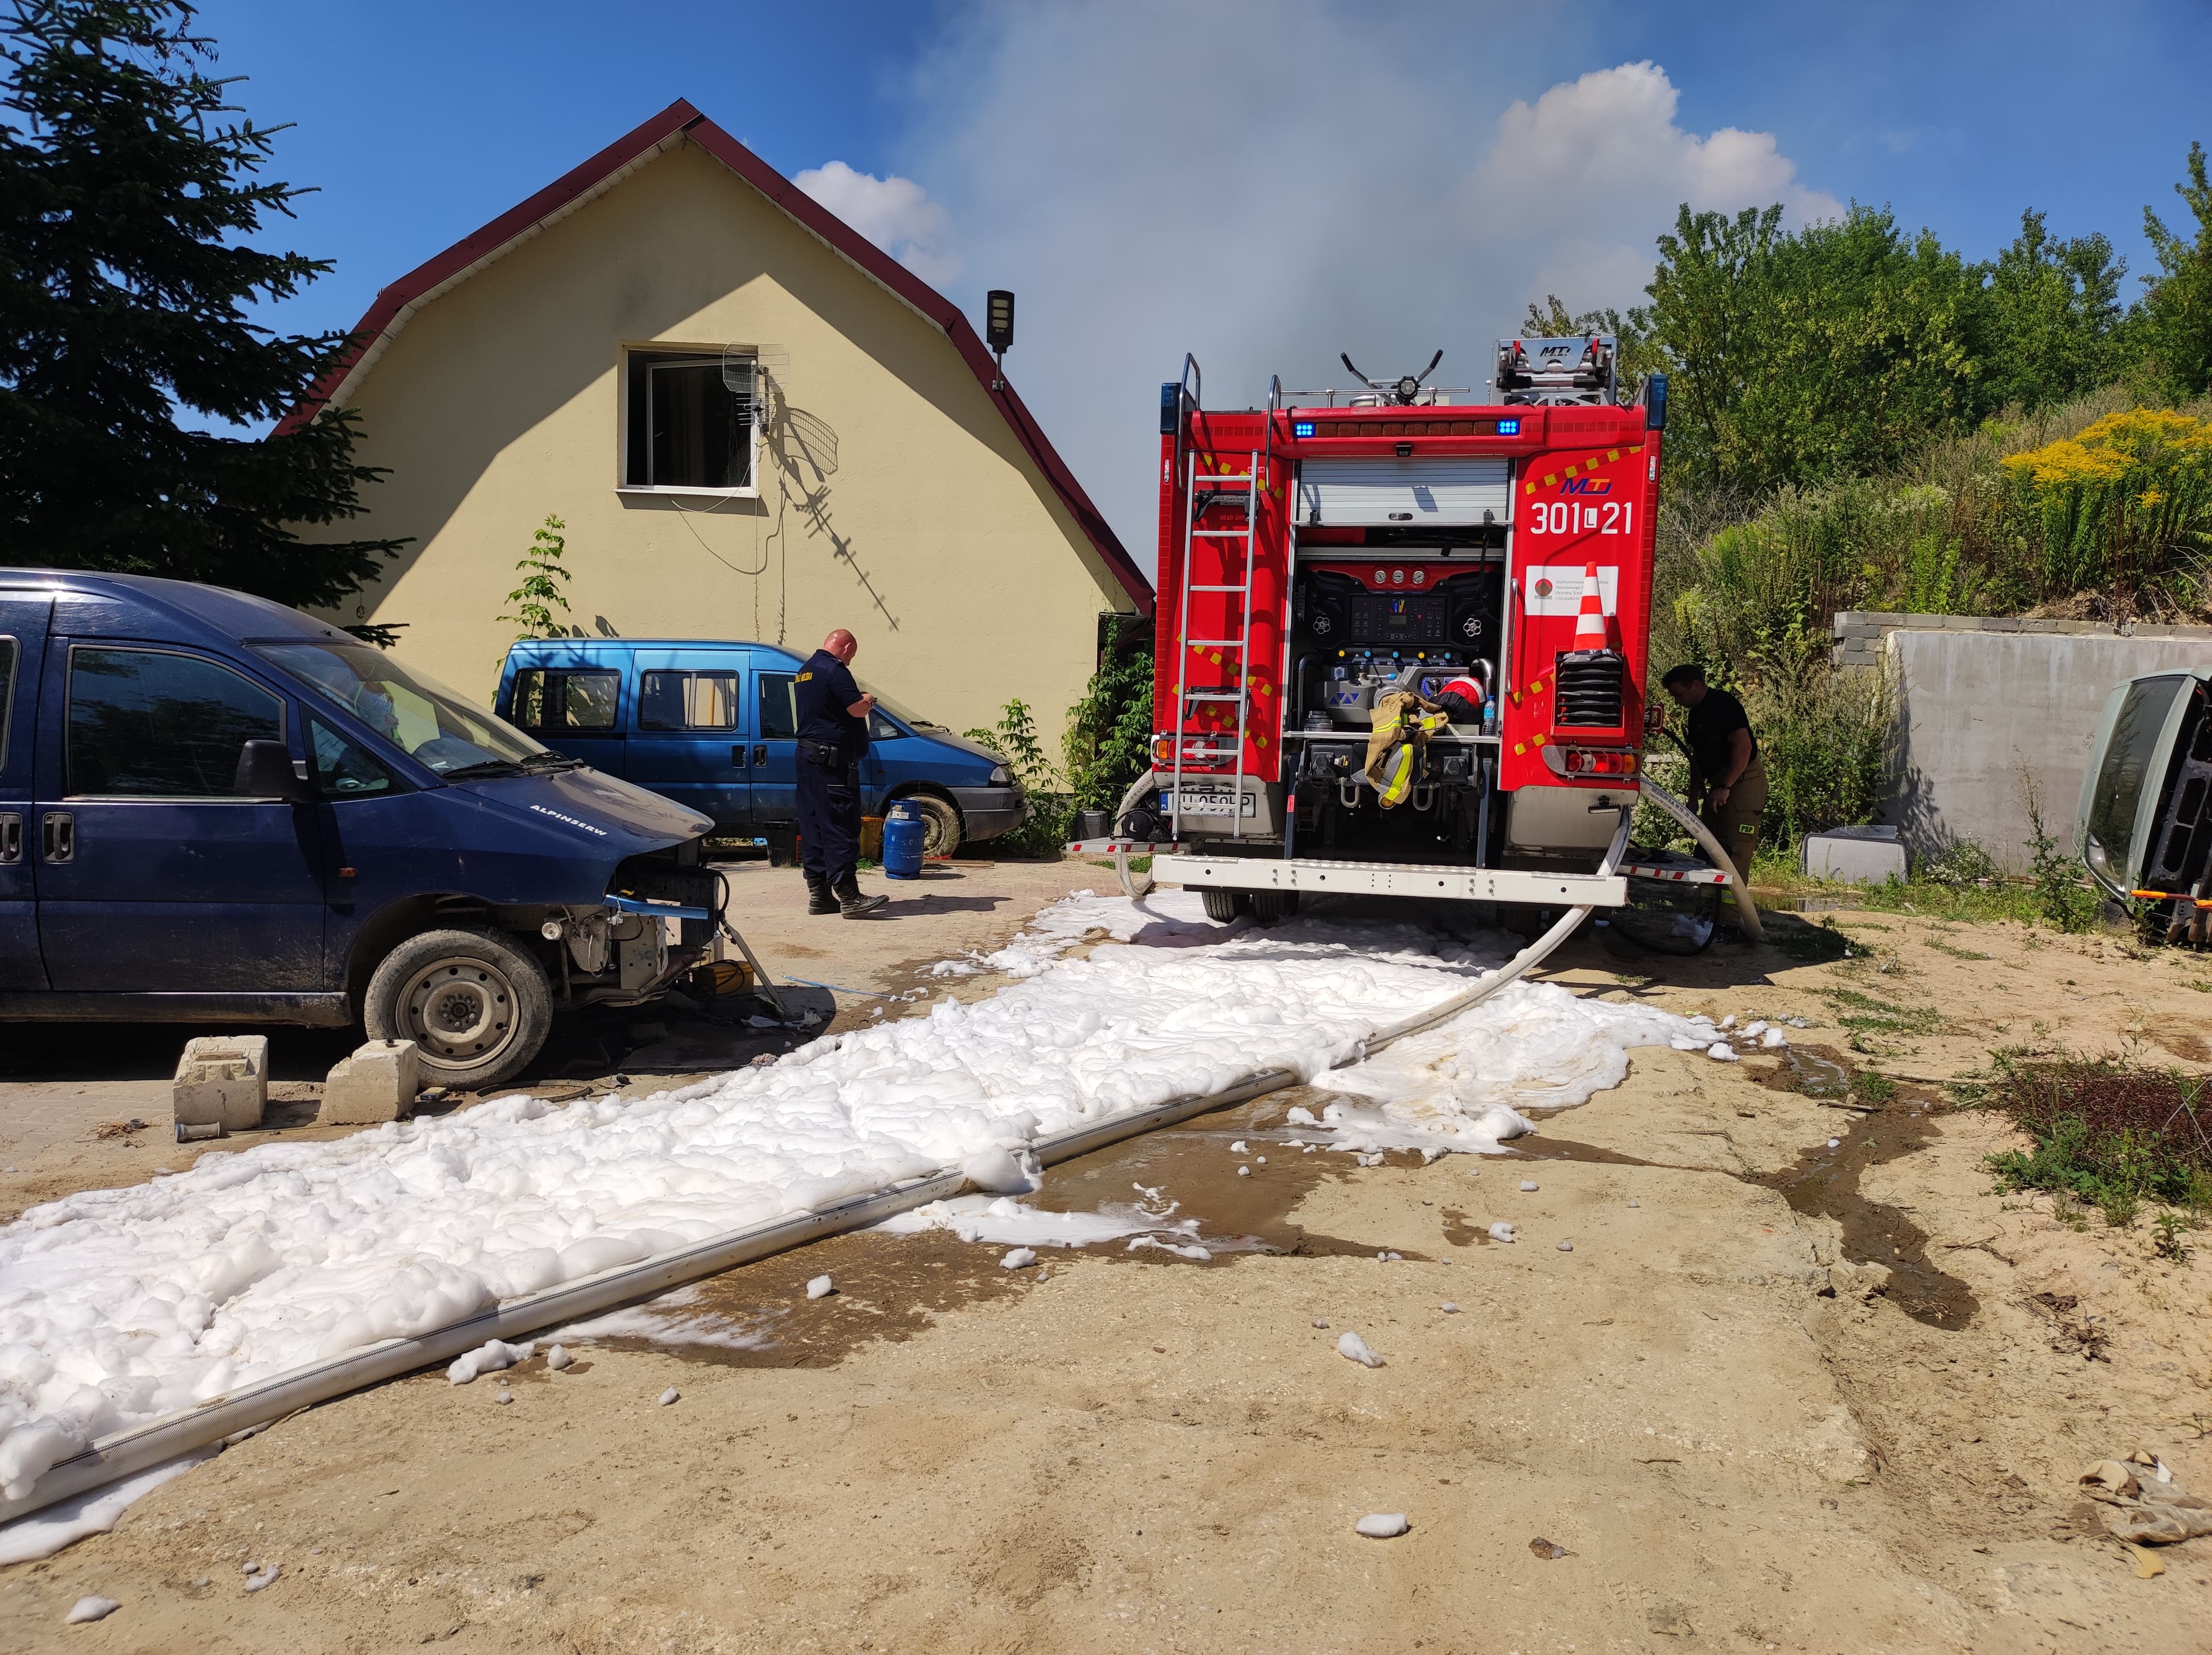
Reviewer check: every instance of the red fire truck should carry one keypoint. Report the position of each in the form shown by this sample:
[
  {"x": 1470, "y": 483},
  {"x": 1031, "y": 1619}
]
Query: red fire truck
[{"x": 1333, "y": 546}]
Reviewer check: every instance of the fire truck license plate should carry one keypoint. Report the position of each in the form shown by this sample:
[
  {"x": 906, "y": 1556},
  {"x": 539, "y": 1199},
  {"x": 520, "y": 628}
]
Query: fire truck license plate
[{"x": 1195, "y": 804}]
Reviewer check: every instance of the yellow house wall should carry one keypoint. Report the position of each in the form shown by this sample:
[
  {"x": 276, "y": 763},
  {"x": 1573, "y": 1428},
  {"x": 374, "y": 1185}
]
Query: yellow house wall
[{"x": 936, "y": 540}]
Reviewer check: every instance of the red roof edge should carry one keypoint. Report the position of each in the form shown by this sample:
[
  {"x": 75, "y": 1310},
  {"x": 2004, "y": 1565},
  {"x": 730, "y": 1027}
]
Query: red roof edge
[{"x": 681, "y": 116}]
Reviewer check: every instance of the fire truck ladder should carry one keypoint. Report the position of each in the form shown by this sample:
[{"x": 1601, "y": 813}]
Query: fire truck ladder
[{"x": 1185, "y": 697}]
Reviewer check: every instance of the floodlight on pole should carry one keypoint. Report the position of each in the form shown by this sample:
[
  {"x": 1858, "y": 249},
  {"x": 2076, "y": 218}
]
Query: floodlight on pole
[{"x": 999, "y": 330}]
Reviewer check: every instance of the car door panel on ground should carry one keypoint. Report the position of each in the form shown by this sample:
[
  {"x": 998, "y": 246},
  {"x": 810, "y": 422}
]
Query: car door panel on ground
[
  {"x": 23, "y": 618},
  {"x": 153, "y": 874},
  {"x": 687, "y": 736}
]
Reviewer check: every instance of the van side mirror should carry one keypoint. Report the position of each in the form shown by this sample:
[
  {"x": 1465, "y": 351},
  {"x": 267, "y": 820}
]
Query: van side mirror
[{"x": 265, "y": 772}]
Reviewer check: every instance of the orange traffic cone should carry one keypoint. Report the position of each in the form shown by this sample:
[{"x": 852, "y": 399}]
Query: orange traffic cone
[{"x": 1590, "y": 630}]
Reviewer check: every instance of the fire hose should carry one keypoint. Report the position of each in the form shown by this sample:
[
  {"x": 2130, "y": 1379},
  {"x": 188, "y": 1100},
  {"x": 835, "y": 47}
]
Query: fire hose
[{"x": 140, "y": 1448}]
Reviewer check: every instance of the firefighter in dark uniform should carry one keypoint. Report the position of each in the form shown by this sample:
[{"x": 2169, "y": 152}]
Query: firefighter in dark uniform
[
  {"x": 833, "y": 739},
  {"x": 1725, "y": 766}
]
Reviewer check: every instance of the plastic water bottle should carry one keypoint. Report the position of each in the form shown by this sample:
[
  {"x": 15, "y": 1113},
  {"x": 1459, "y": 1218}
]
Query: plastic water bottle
[{"x": 903, "y": 837}]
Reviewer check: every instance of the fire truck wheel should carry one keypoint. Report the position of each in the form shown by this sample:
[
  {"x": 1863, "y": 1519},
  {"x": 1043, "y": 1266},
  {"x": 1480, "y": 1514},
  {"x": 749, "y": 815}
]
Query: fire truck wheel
[
  {"x": 1268, "y": 906},
  {"x": 940, "y": 824},
  {"x": 476, "y": 1007},
  {"x": 1221, "y": 905}
]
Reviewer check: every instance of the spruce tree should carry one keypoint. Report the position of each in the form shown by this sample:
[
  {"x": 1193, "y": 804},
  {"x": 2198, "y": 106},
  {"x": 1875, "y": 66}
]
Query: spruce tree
[{"x": 129, "y": 189}]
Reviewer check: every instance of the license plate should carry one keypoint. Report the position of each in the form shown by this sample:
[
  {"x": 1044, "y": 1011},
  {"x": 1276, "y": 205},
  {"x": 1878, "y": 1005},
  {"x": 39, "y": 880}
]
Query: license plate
[{"x": 1212, "y": 804}]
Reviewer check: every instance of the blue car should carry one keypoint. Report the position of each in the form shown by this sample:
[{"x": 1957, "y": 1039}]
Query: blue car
[
  {"x": 713, "y": 726},
  {"x": 214, "y": 809}
]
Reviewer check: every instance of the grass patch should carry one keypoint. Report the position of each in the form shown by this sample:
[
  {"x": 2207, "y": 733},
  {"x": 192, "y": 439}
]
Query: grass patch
[
  {"x": 2051, "y": 902},
  {"x": 1138, "y": 865},
  {"x": 1862, "y": 1013},
  {"x": 1957, "y": 954},
  {"x": 2112, "y": 1134},
  {"x": 1869, "y": 1088}
]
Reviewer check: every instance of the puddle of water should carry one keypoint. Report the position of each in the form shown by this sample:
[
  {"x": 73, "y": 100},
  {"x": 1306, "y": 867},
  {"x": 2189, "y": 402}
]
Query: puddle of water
[
  {"x": 1823, "y": 1183},
  {"x": 1826, "y": 1182}
]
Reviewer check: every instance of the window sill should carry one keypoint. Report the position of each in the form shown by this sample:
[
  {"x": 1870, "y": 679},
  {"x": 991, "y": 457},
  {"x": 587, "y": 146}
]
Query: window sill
[{"x": 693, "y": 493}]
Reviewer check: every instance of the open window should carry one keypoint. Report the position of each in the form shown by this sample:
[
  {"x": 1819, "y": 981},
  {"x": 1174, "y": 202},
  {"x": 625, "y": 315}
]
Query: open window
[{"x": 684, "y": 428}]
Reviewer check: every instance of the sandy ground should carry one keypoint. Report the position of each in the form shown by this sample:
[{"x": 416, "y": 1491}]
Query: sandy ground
[{"x": 1127, "y": 1451}]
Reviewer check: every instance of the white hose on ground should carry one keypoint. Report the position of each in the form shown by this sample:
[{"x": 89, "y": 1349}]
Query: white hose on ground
[
  {"x": 1513, "y": 970},
  {"x": 1746, "y": 910},
  {"x": 141, "y": 1448},
  {"x": 1144, "y": 784}
]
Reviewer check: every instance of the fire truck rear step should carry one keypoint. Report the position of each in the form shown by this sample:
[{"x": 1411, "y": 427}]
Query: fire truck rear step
[{"x": 1394, "y": 879}]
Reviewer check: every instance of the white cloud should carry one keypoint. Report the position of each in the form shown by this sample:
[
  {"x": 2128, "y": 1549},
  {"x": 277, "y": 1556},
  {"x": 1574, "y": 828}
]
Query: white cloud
[
  {"x": 895, "y": 212},
  {"x": 1265, "y": 183}
]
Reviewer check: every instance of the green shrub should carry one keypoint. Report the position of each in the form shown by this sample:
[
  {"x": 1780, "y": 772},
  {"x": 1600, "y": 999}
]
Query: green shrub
[
  {"x": 1110, "y": 731},
  {"x": 1014, "y": 741}
]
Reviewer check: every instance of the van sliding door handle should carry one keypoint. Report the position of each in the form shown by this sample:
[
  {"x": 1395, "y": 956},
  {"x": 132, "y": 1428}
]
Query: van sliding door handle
[
  {"x": 760, "y": 754},
  {"x": 58, "y": 836}
]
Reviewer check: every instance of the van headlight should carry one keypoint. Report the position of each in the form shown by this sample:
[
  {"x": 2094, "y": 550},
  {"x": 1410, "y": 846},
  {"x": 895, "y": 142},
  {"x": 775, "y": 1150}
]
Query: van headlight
[{"x": 999, "y": 777}]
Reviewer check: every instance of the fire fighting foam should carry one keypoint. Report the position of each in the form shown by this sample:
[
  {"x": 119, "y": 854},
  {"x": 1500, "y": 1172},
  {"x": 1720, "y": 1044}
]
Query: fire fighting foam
[{"x": 117, "y": 1306}]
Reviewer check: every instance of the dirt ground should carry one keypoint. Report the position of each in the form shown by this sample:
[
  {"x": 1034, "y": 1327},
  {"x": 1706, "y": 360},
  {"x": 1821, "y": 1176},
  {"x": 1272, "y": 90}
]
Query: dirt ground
[{"x": 1721, "y": 1446}]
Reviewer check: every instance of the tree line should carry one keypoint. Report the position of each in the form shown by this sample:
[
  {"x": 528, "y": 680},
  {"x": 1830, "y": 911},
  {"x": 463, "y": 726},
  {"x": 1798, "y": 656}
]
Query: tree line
[{"x": 1799, "y": 357}]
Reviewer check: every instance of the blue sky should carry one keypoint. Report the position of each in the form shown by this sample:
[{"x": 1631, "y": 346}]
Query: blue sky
[{"x": 1411, "y": 173}]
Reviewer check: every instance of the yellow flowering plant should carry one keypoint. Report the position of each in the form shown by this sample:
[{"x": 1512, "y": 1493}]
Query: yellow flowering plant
[{"x": 2125, "y": 505}]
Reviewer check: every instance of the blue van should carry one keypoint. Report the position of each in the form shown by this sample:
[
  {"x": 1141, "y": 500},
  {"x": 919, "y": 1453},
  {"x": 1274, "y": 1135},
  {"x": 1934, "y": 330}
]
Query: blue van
[
  {"x": 713, "y": 726},
  {"x": 214, "y": 809}
]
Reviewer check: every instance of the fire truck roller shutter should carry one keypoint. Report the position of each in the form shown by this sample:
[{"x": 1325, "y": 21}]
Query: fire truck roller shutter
[
  {"x": 1383, "y": 491},
  {"x": 1478, "y": 599}
]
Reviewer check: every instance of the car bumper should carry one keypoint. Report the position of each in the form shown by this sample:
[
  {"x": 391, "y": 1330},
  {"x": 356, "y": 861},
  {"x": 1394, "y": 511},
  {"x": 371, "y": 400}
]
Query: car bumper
[{"x": 987, "y": 812}]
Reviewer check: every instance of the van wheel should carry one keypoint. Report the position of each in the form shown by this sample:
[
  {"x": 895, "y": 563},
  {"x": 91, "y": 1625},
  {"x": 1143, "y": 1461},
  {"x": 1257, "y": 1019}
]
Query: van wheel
[
  {"x": 476, "y": 1007},
  {"x": 940, "y": 823}
]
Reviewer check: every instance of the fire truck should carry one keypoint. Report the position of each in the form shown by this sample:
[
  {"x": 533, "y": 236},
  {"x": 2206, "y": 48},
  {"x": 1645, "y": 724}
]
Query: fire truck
[{"x": 1333, "y": 547}]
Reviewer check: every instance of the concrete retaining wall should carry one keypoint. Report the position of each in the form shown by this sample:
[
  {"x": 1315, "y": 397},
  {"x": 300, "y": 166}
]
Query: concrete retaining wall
[{"x": 1982, "y": 699}]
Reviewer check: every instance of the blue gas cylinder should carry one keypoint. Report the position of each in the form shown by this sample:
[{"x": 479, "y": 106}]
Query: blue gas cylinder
[{"x": 902, "y": 836}]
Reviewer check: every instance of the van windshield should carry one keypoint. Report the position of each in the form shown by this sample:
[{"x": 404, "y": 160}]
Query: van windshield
[
  {"x": 897, "y": 708},
  {"x": 448, "y": 732},
  {"x": 2120, "y": 778}
]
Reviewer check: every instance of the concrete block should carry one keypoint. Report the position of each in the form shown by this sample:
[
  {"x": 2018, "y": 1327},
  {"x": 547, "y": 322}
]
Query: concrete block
[
  {"x": 222, "y": 1082},
  {"x": 2000, "y": 623},
  {"x": 1927, "y": 622},
  {"x": 377, "y": 1083},
  {"x": 1864, "y": 856}
]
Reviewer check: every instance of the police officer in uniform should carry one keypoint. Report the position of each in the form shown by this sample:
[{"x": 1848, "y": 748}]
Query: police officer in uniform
[{"x": 833, "y": 739}]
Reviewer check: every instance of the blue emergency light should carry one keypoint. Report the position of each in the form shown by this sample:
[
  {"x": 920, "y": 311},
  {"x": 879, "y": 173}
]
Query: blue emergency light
[
  {"x": 1508, "y": 427},
  {"x": 1302, "y": 428}
]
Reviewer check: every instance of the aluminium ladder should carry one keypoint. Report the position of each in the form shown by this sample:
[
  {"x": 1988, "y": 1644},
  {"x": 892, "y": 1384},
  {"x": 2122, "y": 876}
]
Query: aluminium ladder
[{"x": 1185, "y": 697}]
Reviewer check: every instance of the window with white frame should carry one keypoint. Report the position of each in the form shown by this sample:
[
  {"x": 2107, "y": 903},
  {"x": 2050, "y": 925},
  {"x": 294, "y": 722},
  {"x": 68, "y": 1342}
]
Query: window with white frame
[{"x": 686, "y": 427}]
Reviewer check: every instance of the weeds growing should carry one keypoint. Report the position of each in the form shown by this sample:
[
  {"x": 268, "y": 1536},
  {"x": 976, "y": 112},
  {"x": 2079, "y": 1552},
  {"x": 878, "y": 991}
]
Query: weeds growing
[{"x": 2111, "y": 1133}]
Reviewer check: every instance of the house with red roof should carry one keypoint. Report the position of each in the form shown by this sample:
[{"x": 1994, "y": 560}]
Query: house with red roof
[{"x": 754, "y": 424}]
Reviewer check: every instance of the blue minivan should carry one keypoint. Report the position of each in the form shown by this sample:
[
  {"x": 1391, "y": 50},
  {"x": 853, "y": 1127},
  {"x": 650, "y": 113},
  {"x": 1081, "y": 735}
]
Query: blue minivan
[
  {"x": 214, "y": 809},
  {"x": 713, "y": 726}
]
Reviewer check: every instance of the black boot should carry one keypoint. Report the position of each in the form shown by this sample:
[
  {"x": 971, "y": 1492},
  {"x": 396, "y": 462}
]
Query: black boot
[
  {"x": 850, "y": 899},
  {"x": 819, "y": 897}
]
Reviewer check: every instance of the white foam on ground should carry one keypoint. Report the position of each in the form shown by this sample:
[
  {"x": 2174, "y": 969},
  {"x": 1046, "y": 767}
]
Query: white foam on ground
[
  {"x": 68, "y": 1521},
  {"x": 119, "y": 1307},
  {"x": 676, "y": 1317}
]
